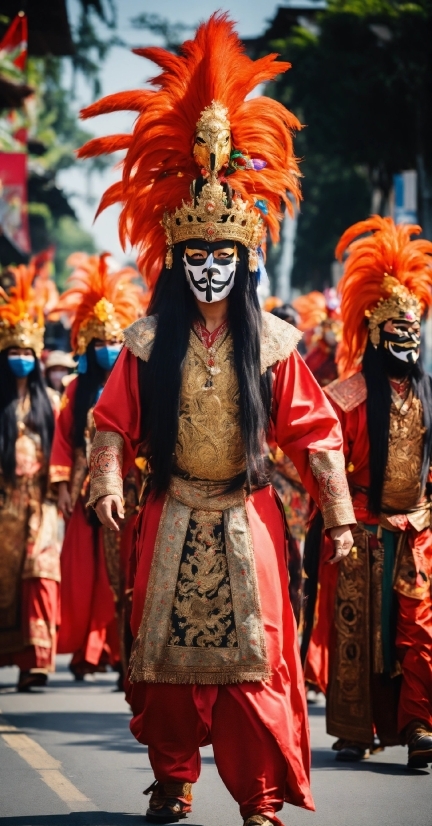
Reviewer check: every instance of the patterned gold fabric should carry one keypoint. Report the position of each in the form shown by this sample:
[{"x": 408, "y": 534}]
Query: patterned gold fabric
[
  {"x": 209, "y": 440},
  {"x": 402, "y": 480},
  {"x": 328, "y": 467},
  {"x": 202, "y": 613},
  {"x": 202, "y": 618}
]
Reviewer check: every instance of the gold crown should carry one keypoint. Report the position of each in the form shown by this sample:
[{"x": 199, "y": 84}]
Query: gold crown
[
  {"x": 104, "y": 325},
  {"x": 25, "y": 333},
  {"x": 211, "y": 219},
  {"x": 401, "y": 303}
]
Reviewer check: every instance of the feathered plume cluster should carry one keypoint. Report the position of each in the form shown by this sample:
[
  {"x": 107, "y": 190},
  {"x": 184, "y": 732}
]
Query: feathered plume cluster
[
  {"x": 92, "y": 282},
  {"x": 313, "y": 308},
  {"x": 375, "y": 265},
  {"x": 21, "y": 303},
  {"x": 159, "y": 168}
]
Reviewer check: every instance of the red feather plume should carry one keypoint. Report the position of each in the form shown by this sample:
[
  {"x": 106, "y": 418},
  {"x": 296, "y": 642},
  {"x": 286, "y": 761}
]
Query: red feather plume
[{"x": 159, "y": 168}]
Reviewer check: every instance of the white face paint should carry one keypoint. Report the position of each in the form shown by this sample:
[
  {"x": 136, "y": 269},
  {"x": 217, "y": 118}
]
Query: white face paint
[{"x": 211, "y": 279}]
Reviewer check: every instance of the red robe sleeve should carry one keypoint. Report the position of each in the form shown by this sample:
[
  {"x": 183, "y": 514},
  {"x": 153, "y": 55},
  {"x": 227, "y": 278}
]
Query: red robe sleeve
[
  {"x": 62, "y": 456},
  {"x": 117, "y": 417},
  {"x": 307, "y": 429}
]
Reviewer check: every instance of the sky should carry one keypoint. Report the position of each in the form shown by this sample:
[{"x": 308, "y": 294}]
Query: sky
[{"x": 123, "y": 70}]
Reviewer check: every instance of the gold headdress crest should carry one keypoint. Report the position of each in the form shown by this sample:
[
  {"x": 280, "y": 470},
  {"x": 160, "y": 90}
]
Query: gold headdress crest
[{"x": 21, "y": 316}]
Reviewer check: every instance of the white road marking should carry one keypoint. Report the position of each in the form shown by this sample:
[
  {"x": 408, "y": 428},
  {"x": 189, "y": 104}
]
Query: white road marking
[{"x": 48, "y": 768}]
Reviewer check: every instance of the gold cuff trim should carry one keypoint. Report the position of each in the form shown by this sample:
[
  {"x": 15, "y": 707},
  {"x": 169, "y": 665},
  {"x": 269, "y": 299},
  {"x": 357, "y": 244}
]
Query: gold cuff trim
[
  {"x": 106, "y": 462},
  {"x": 59, "y": 473},
  {"x": 328, "y": 467}
]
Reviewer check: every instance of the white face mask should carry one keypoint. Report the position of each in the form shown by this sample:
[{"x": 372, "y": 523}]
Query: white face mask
[{"x": 210, "y": 280}]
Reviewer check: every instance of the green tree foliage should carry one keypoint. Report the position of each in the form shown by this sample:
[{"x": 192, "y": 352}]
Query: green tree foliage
[{"x": 362, "y": 83}]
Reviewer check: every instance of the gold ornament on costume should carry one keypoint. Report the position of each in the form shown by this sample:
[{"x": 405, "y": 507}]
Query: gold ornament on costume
[
  {"x": 21, "y": 317},
  {"x": 400, "y": 303},
  {"x": 104, "y": 325},
  {"x": 213, "y": 220},
  {"x": 212, "y": 147}
]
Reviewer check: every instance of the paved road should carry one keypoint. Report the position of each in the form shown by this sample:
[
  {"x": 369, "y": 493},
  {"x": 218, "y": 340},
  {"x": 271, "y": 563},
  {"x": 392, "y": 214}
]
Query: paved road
[{"x": 67, "y": 759}]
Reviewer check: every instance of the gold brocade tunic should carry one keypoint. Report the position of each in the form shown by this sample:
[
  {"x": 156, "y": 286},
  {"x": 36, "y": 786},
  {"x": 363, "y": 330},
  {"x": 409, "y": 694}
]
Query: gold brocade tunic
[
  {"x": 402, "y": 480},
  {"x": 29, "y": 545},
  {"x": 209, "y": 442}
]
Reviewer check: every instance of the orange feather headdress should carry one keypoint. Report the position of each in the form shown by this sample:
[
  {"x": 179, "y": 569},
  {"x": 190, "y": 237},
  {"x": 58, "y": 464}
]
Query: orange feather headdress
[
  {"x": 386, "y": 275},
  {"x": 101, "y": 302},
  {"x": 21, "y": 315},
  {"x": 196, "y": 122}
]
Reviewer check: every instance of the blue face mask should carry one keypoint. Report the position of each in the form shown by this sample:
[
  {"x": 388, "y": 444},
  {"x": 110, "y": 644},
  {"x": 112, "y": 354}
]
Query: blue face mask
[
  {"x": 107, "y": 355},
  {"x": 21, "y": 366}
]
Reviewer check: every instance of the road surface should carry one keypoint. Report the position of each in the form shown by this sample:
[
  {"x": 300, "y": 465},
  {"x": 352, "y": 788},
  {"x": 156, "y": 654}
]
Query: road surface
[{"x": 67, "y": 758}]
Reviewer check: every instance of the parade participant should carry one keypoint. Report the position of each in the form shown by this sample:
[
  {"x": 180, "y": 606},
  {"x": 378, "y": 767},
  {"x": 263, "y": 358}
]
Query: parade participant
[
  {"x": 215, "y": 658},
  {"x": 381, "y": 626},
  {"x": 102, "y": 302},
  {"x": 320, "y": 320},
  {"x": 29, "y": 548},
  {"x": 58, "y": 366}
]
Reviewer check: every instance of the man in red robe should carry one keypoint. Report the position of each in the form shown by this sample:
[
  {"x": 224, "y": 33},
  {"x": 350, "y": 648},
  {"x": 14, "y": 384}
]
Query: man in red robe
[
  {"x": 374, "y": 614},
  {"x": 199, "y": 382}
]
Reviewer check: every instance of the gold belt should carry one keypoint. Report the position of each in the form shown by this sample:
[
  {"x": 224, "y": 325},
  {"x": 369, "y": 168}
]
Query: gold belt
[{"x": 203, "y": 495}]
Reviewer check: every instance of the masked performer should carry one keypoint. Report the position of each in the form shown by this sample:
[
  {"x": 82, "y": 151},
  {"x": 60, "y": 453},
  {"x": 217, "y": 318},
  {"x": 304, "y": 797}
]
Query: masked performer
[
  {"x": 381, "y": 671},
  {"x": 29, "y": 549},
  {"x": 102, "y": 303},
  {"x": 199, "y": 381},
  {"x": 320, "y": 320}
]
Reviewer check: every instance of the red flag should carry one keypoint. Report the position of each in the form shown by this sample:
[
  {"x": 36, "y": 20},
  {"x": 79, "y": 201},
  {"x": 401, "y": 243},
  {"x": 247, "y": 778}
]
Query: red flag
[{"x": 15, "y": 41}]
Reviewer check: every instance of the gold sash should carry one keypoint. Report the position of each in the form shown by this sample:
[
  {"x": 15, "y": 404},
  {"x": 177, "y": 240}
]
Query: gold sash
[{"x": 153, "y": 658}]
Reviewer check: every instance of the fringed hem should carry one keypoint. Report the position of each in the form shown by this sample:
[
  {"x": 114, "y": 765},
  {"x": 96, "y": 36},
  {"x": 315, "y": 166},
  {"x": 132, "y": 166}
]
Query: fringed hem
[{"x": 227, "y": 677}]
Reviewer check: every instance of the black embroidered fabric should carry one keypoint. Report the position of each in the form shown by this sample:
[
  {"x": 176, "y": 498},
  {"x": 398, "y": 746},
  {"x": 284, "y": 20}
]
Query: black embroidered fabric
[{"x": 202, "y": 614}]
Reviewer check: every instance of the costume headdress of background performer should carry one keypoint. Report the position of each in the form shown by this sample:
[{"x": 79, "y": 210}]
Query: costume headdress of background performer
[
  {"x": 197, "y": 124},
  {"x": 101, "y": 301},
  {"x": 386, "y": 275},
  {"x": 319, "y": 314},
  {"x": 21, "y": 314}
]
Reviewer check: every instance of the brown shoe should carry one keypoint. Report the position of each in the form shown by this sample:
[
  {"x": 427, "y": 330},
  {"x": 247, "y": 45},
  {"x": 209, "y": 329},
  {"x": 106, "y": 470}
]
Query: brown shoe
[
  {"x": 419, "y": 739},
  {"x": 348, "y": 752},
  {"x": 31, "y": 679},
  {"x": 169, "y": 802}
]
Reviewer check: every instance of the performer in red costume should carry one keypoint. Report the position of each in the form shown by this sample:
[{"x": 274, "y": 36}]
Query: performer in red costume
[
  {"x": 199, "y": 382},
  {"x": 29, "y": 548},
  {"x": 375, "y": 613},
  {"x": 320, "y": 320},
  {"x": 102, "y": 302}
]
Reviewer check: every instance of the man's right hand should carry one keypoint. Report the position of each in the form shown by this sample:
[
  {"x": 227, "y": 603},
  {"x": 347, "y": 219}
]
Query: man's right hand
[
  {"x": 106, "y": 507},
  {"x": 64, "y": 502}
]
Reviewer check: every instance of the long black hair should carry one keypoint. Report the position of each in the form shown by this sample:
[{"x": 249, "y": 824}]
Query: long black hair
[
  {"x": 378, "y": 405},
  {"x": 40, "y": 419},
  {"x": 160, "y": 379},
  {"x": 88, "y": 386}
]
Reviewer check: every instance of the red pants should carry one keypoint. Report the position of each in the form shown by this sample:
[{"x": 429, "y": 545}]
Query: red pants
[
  {"x": 414, "y": 644},
  {"x": 175, "y": 720},
  {"x": 40, "y": 620}
]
